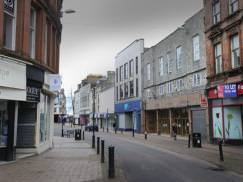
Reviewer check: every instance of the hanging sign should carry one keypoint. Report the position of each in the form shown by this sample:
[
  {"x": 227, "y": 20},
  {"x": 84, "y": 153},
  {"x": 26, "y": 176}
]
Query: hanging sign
[
  {"x": 9, "y": 6},
  {"x": 230, "y": 90},
  {"x": 55, "y": 82}
]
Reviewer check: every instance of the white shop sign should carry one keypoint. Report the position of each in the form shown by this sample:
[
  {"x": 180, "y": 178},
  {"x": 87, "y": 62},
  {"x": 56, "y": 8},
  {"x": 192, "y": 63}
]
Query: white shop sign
[
  {"x": 12, "y": 80},
  {"x": 12, "y": 75}
]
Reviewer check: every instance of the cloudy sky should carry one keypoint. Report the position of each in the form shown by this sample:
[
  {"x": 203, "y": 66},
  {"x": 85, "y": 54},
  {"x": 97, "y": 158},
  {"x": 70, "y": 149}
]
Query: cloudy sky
[{"x": 101, "y": 28}]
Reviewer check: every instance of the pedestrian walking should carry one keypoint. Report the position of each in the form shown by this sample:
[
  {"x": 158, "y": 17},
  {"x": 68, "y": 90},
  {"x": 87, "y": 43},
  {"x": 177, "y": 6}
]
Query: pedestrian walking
[{"x": 174, "y": 130}]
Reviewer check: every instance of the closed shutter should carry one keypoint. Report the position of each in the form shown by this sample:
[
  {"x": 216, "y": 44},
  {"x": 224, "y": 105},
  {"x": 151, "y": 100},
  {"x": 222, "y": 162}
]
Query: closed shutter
[{"x": 199, "y": 122}]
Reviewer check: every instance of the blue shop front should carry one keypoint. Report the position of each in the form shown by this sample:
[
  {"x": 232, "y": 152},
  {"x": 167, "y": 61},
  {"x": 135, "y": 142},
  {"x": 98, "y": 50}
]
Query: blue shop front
[{"x": 129, "y": 116}]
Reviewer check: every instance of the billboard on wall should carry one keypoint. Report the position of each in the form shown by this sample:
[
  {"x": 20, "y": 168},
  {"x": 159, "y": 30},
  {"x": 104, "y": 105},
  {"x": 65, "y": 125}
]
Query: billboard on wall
[
  {"x": 217, "y": 122},
  {"x": 232, "y": 122}
]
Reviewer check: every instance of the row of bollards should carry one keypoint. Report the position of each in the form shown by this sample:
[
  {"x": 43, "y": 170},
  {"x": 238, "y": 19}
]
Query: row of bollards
[{"x": 100, "y": 149}]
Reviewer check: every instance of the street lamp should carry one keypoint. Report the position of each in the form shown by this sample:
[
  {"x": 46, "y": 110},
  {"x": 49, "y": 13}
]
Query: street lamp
[{"x": 93, "y": 136}]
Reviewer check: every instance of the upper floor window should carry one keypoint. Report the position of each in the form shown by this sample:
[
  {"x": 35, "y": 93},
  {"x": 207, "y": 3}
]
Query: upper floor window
[
  {"x": 126, "y": 89},
  {"x": 32, "y": 35},
  {"x": 169, "y": 63},
  {"x": 170, "y": 87},
  {"x": 161, "y": 66},
  {"x": 216, "y": 11},
  {"x": 46, "y": 43},
  {"x": 178, "y": 58},
  {"x": 117, "y": 74},
  {"x": 9, "y": 26},
  {"x": 196, "y": 48},
  {"x": 161, "y": 89},
  {"x": 121, "y": 91},
  {"x": 196, "y": 80},
  {"x": 125, "y": 71},
  {"x": 131, "y": 68},
  {"x": 121, "y": 73},
  {"x": 218, "y": 58},
  {"x": 179, "y": 85},
  {"x": 233, "y": 6},
  {"x": 235, "y": 51},
  {"x": 131, "y": 86},
  {"x": 136, "y": 65},
  {"x": 148, "y": 72},
  {"x": 117, "y": 94},
  {"x": 137, "y": 87}
]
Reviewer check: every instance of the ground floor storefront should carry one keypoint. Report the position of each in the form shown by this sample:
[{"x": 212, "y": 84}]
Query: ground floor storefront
[
  {"x": 184, "y": 121},
  {"x": 128, "y": 116}
]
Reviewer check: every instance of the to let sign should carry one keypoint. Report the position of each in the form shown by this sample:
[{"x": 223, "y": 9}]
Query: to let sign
[{"x": 230, "y": 90}]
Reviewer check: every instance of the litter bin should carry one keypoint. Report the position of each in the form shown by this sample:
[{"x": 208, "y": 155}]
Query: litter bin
[
  {"x": 77, "y": 134},
  {"x": 196, "y": 140}
]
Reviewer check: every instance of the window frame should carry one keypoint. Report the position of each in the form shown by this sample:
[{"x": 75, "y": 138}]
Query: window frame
[
  {"x": 161, "y": 66},
  {"x": 218, "y": 58},
  {"x": 216, "y": 15},
  {"x": 235, "y": 50},
  {"x": 32, "y": 32},
  {"x": 231, "y": 6},
  {"x": 178, "y": 57},
  {"x": 196, "y": 47},
  {"x": 148, "y": 70}
]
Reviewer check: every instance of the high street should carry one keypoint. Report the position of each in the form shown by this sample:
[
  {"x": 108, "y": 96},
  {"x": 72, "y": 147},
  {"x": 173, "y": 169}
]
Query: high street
[{"x": 143, "y": 162}]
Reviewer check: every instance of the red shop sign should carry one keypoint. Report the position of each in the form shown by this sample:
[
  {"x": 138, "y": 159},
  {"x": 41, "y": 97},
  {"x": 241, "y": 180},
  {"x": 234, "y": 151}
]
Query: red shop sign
[
  {"x": 203, "y": 101},
  {"x": 213, "y": 94},
  {"x": 221, "y": 91},
  {"x": 240, "y": 89}
]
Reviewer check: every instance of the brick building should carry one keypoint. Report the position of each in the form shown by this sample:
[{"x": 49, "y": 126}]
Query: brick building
[
  {"x": 30, "y": 35},
  {"x": 174, "y": 80},
  {"x": 224, "y": 47}
]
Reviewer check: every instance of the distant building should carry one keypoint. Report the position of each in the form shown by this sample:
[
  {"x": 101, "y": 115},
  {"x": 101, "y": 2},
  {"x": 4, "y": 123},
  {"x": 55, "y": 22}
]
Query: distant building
[
  {"x": 59, "y": 106},
  {"x": 104, "y": 101},
  {"x": 174, "y": 80},
  {"x": 128, "y": 88},
  {"x": 83, "y": 99},
  {"x": 30, "y": 37},
  {"x": 224, "y": 46}
]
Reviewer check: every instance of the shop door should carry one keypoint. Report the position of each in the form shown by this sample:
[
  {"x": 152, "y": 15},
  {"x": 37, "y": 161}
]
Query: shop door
[
  {"x": 199, "y": 123},
  {"x": 26, "y": 124}
]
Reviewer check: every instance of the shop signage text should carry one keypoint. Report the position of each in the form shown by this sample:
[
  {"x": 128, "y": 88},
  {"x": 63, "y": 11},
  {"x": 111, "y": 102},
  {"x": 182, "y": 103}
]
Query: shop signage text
[
  {"x": 33, "y": 94},
  {"x": 240, "y": 89},
  {"x": 230, "y": 90}
]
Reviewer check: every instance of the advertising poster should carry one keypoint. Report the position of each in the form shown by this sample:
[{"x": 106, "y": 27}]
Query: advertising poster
[
  {"x": 217, "y": 122},
  {"x": 232, "y": 123}
]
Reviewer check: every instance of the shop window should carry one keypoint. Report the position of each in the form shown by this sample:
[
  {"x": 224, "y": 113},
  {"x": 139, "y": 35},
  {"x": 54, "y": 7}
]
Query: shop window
[
  {"x": 235, "y": 51},
  {"x": 216, "y": 11},
  {"x": 3, "y": 123},
  {"x": 32, "y": 33},
  {"x": 197, "y": 79},
  {"x": 218, "y": 58},
  {"x": 117, "y": 75},
  {"x": 233, "y": 6},
  {"x": 9, "y": 26},
  {"x": 44, "y": 118}
]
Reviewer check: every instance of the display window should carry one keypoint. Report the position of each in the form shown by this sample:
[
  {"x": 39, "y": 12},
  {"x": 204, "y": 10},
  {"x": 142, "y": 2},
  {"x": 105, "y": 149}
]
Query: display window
[{"x": 3, "y": 124}]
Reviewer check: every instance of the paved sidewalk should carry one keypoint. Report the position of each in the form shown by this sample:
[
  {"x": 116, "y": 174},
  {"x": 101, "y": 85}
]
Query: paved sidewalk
[
  {"x": 233, "y": 155},
  {"x": 68, "y": 161}
]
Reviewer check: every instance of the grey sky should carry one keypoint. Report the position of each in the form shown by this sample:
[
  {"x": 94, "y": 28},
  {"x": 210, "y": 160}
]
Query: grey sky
[{"x": 101, "y": 28}]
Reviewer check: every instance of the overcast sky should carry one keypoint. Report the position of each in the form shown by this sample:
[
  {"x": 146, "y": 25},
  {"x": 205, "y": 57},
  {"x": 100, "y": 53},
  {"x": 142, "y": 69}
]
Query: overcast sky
[{"x": 99, "y": 29}]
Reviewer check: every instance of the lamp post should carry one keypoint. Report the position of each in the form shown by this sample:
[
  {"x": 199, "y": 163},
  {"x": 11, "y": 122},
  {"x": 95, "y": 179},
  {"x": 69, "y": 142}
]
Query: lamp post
[
  {"x": 93, "y": 136},
  {"x": 107, "y": 125}
]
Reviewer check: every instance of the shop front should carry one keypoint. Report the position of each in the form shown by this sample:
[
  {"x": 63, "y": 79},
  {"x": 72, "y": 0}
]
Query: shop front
[
  {"x": 226, "y": 110},
  {"x": 129, "y": 116},
  {"x": 12, "y": 90}
]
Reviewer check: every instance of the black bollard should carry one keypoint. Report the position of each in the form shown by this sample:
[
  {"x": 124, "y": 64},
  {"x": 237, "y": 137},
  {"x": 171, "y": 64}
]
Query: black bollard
[
  {"x": 102, "y": 151},
  {"x": 83, "y": 135},
  {"x": 93, "y": 141},
  {"x": 221, "y": 154},
  {"x": 111, "y": 168},
  {"x": 145, "y": 135},
  {"x": 98, "y": 145},
  {"x": 132, "y": 132},
  {"x": 189, "y": 141}
]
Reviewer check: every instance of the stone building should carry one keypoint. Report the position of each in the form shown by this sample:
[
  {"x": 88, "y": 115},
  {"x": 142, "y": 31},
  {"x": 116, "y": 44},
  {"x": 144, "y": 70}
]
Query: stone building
[
  {"x": 224, "y": 48},
  {"x": 104, "y": 101},
  {"x": 128, "y": 90},
  {"x": 174, "y": 79},
  {"x": 30, "y": 36}
]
